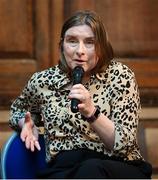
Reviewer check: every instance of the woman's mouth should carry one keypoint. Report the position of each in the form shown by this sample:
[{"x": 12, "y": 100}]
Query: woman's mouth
[{"x": 79, "y": 61}]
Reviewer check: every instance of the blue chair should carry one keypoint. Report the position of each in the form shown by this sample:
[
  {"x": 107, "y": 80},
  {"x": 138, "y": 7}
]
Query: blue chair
[{"x": 17, "y": 162}]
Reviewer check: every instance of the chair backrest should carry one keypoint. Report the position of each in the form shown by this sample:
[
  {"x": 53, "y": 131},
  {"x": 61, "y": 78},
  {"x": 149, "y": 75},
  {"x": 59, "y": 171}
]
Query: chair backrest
[{"x": 17, "y": 162}]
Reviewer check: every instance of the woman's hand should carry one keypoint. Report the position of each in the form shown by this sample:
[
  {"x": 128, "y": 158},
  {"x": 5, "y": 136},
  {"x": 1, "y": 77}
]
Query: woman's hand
[
  {"x": 29, "y": 133},
  {"x": 86, "y": 105}
]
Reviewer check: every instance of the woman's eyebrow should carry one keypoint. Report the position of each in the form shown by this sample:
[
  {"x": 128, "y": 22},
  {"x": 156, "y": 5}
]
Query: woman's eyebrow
[
  {"x": 75, "y": 36},
  {"x": 70, "y": 35}
]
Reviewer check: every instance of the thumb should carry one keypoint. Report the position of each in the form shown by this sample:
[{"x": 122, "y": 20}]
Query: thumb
[{"x": 28, "y": 117}]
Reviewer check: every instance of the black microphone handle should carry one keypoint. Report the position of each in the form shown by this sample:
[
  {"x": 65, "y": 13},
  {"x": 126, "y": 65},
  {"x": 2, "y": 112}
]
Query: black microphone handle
[
  {"x": 74, "y": 105},
  {"x": 77, "y": 75}
]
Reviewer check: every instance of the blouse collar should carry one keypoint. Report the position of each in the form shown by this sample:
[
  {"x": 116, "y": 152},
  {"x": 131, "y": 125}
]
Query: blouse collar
[{"x": 62, "y": 80}]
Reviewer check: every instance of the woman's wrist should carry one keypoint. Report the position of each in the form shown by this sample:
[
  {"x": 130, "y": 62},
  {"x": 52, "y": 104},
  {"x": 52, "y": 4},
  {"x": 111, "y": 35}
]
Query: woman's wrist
[
  {"x": 90, "y": 113},
  {"x": 21, "y": 122},
  {"x": 94, "y": 116}
]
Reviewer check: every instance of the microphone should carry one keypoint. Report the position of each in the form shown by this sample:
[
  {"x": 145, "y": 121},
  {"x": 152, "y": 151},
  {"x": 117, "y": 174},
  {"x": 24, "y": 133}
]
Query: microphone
[{"x": 77, "y": 75}]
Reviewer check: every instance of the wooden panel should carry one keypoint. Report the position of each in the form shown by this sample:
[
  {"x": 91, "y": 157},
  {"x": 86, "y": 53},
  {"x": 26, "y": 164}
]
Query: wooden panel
[
  {"x": 147, "y": 132},
  {"x": 13, "y": 76},
  {"x": 56, "y": 22},
  {"x": 24, "y": 44},
  {"x": 49, "y": 19},
  {"x": 71, "y": 6},
  {"x": 42, "y": 33},
  {"x": 16, "y": 37},
  {"x": 132, "y": 26},
  {"x": 14, "y": 72},
  {"x": 29, "y": 37},
  {"x": 146, "y": 71}
]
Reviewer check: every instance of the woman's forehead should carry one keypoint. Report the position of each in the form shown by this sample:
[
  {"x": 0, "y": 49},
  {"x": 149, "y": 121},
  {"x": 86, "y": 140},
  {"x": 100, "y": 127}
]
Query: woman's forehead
[{"x": 83, "y": 30}]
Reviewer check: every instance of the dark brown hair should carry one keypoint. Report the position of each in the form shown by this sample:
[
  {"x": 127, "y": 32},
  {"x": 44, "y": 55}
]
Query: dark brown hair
[{"x": 103, "y": 47}]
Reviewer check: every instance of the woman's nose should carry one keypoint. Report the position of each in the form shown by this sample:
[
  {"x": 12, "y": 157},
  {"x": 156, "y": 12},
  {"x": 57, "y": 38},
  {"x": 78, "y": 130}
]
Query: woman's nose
[{"x": 80, "y": 49}]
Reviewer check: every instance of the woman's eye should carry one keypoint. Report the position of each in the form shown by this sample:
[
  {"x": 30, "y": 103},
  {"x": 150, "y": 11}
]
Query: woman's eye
[
  {"x": 72, "y": 42},
  {"x": 90, "y": 43}
]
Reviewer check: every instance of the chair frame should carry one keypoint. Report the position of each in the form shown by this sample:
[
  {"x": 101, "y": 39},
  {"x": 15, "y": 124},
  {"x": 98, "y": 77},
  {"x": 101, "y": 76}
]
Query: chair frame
[{"x": 3, "y": 154}]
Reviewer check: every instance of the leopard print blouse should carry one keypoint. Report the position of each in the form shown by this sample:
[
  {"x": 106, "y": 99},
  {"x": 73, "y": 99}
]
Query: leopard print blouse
[{"x": 114, "y": 91}]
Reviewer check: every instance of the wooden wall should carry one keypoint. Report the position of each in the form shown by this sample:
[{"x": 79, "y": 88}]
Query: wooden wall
[
  {"x": 28, "y": 39},
  {"x": 29, "y": 36}
]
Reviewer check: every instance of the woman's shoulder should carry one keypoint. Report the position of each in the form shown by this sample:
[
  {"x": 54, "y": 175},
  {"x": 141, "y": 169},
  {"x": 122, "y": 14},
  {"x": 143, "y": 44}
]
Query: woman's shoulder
[
  {"x": 49, "y": 73},
  {"x": 117, "y": 67},
  {"x": 120, "y": 75},
  {"x": 52, "y": 70},
  {"x": 115, "y": 71},
  {"x": 120, "y": 70}
]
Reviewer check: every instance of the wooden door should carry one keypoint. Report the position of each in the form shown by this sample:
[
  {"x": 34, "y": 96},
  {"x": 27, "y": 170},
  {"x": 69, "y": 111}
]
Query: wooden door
[{"x": 29, "y": 30}]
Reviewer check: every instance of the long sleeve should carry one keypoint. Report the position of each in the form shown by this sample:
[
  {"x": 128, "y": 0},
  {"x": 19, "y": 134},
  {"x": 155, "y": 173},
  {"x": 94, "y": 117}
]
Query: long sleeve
[
  {"x": 23, "y": 103},
  {"x": 125, "y": 108}
]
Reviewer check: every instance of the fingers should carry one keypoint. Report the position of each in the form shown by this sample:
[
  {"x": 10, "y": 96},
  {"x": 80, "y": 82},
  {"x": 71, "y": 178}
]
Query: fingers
[
  {"x": 32, "y": 147},
  {"x": 37, "y": 145},
  {"x": 78, "y": 86},
  {"x": 22, "y": 137},
  {"x": 27, "y": 142},
  {"x": 79, "y": 92},
  {"x": 86, "y": 105},
  {"x": 32, "y": 144}
]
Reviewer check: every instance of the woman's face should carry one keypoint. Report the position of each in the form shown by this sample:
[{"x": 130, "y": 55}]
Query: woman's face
[{"x": 79, "y": 48}]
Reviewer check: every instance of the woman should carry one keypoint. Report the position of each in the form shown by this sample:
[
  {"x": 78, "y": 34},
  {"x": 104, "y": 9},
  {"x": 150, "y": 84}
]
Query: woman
[{"x": 99, "y": 141}]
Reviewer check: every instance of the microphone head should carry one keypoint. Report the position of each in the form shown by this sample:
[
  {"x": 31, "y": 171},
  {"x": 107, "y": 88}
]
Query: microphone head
[{"x": 77, "y": 74}]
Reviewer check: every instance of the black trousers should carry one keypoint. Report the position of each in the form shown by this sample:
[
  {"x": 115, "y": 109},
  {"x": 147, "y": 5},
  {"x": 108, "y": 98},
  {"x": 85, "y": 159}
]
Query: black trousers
[{"x": 87, "y": 164}]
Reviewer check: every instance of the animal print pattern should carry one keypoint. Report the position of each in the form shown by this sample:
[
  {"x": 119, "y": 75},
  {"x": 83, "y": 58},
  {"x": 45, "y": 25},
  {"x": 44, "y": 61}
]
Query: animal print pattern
[{"x": 114, "y": 91}]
